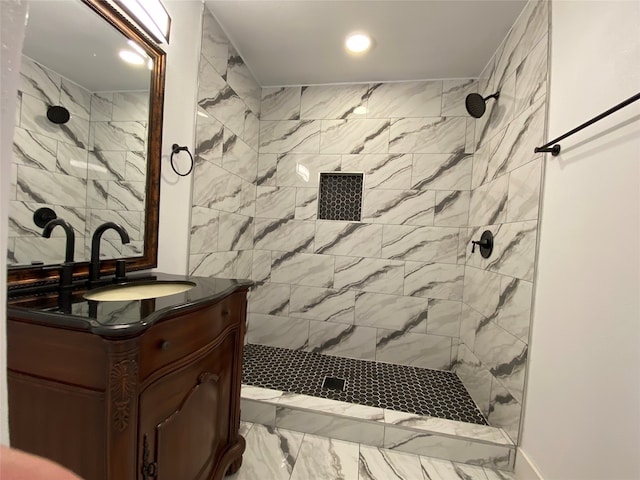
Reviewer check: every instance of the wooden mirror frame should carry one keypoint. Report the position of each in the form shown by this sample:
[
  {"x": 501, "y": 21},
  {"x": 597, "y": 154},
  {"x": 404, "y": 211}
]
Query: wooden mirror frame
[{"x": 34, "y": 275}]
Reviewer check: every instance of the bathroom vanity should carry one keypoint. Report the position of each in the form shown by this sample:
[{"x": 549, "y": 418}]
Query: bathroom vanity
[{"x": 134, "y": 389}]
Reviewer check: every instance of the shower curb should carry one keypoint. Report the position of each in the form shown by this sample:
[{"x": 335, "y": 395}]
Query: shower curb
[{"x": 406, "y": 432}]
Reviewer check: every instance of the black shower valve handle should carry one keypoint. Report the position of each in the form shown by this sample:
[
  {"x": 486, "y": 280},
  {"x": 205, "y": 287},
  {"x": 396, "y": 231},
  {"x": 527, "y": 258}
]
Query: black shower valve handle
[
  {"x": 480, "y": 243},
  {"x": 485, "y": 243}
]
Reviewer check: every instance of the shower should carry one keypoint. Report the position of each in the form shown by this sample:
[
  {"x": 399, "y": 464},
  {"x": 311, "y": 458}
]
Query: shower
[{"x": 476, "y": 104}]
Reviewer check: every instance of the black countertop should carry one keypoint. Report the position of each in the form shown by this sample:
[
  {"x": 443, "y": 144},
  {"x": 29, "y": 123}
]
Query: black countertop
[{"x": 117, "y": 318}]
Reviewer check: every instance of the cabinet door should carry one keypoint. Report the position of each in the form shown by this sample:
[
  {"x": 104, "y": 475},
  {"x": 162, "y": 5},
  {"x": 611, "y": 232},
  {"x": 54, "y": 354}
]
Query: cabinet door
[{"x": 184, "y": 416}]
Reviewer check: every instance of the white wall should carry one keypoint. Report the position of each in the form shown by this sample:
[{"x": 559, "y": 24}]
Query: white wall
[
  {"x": 12, "y": 16},
  {"x": 582, "y": 413},
  {"x": 183, "y": 54}
]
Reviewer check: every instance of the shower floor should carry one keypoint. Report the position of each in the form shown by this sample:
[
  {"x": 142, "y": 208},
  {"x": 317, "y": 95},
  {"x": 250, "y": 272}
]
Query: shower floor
[{"x": 422, "y": 391}]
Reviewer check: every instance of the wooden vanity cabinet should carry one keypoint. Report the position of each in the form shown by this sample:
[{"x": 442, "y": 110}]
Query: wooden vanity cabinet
[{"x": 161, "y": 404}]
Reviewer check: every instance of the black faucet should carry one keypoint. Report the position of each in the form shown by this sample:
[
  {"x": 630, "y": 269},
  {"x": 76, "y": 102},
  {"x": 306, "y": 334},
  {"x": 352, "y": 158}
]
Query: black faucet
[
  {"x": 94, "y": 266},
  {"x": 71, "y": 236}
]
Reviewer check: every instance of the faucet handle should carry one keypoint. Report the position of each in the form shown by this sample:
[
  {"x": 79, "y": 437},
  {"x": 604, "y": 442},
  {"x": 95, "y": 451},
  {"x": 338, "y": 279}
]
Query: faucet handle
[{"x": 121, "y": 271}]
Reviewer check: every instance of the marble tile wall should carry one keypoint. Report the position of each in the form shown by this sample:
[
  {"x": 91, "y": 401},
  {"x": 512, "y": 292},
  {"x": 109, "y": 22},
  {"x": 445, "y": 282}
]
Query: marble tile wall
[
  {"x": 505, "y": 192},
  {"x": 226, "y": 162},
  {"x": 88, "y": 170},
  {"x": 388, "y": 287}
]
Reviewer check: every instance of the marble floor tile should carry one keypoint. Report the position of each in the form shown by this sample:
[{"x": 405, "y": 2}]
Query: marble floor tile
[
  {"x": 380, "y": 464},
  {"x": 324, "y": 458},
  {"x": 435, "y": 469}
]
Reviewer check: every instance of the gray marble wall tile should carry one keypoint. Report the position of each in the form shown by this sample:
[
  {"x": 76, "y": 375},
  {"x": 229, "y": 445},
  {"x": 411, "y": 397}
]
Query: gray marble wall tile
[
  {"x": 35, "y": 185},
  {"x": 515, "y": 250},
  {"x": 469, "y": 321},
  {"x": 482, "y": 290},
  {"x": 446, "y": 448},
  {"x": 106, "y": 165},
  {"x": 425, "y": 244},
  {"x": 454, "y": 94},
  {"x": 217, "y": 99},
  {"x": 443, "y": 317},
  {"x": 209, "y": 140},
  {"x": 427, "y": 135},
  {"x": 34, "y": 150},
  {"x": 204, "y": 230},
  {"x": 261, "y": 267},
  {"x": 125, "y": 195},
  {"x": 504, "y": 355},
  {"x": 504, "y": 410},
  {"x": 303, "y": 170},
  {"x": 354, "y": 136},
  {"x": 131, "y": 106},
  {"x": 369, "y": 274},
  {"x": 470, "y": 137},
  {"x": 418, "y": 350},
  {"x": 452, "y": 208},
  {"x": 442, "y": 171},
  {"x": 347, "y": 238},
  {"x": 535, "y": 16},
  {"x": 14, "y": 182},
  {"x": 480, "y": 173},
  {"x": 524, "y": 192},
  {"x": 392, "y": 312},
  {"x": 101, "y": 106},
  {"x": 46, "y": 250},
  {"x": 76, "y": 99},
  {"x": 465, "y": 237},
  {"x": 434, "y": 280},
  {"x": 238, "y": 157},
  {"x": 489, "y": 202},
  {"x": 21, "y": 222},
  {"x": 284, "y": 234},
  {"x": 514, "y": 311},
  {"x": 283, "y": 332},
  {"x": 97, "y": 193},
  {"x": 241, "y": 80},
  {"x": 302, "y": 269},
  {"x": 399, "y": 207},
  {"x": 343, "y": 340},
  {"x": 11, "y": 251},
  {"x": 119, "y": 135},
  {"x": 531, "y": 76},
  {"x": 136, "y": 166},
  {"x": 267, "y": 167},
  {"x": 216, "y": 188},
  {"x": 306, "y": 204},
  {"x": 515, "y": 145},
  {"x": 380, "y": 464},
  {"x": 252, "y": 130},
  {"x": 332, "y": 102},
  {"x": 321, "y": 457},
  {"x": 131, "y": 221},
  {"x": 475, "y": 377},
  {"x": 275, "y": 202},
  {"x": 39, "y": 81},
  {"x": 381, "y": 170},
  {"x": 247, "y": 199},
  {"x": 215, "y": 44},
  {"x": 244, "y": 264},
  {"x": 237, "y": 233},
  {"x": 218, "y": 264},
  {"x": 270, "y": 298},
  {"x": 405, "y": 99},
  {"x": 290, "y": 136},
  {"x": 332, "y": 426},
  {"x": 280, "y": 103},
  {"x": 323, "y": 304},
  {"x": 503, "y": 109}
]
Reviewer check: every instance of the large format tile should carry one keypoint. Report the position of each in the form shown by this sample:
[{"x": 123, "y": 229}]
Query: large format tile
[
  {"x": 369, "y": 274},
  {"x": 342, "y": 340},
  {"x": 435, "y": 469},
  {"x": 392, "y": 312},
  {"x": 348, "y": 238},
  {"x": 290, "y": 136},
  {"x": 284, "y": 332},
  {"x": 405, "y": 99},
  {"x": 284, "y": 234},
  {"x": 333, "y": 101},
  {"x": 442, "y": 171},
  {"x": 427, "y": 135},
  {"x": 280, "y": 103},
  {"x": 416, "y": 349},
  {"x": 426, "y": 244},
  {"x": 354, "y": 136},
  {"x": 327, "y": 305},
  {"x": 381, "y": 170},
  {"x": 326, "y": 458},
  {"x": 380, "y": 464},
  {"x": 398, "y": 207},
  {"x": 303, "y": 269}
]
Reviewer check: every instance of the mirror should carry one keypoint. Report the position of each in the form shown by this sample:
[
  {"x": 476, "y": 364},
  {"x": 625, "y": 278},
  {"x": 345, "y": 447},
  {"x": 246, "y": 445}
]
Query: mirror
[{"x": 87, "y": 142}]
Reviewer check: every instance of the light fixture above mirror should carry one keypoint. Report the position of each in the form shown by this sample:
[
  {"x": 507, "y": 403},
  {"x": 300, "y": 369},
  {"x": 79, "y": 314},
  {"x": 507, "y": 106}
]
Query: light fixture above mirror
[{"x": 150, "y": 15}]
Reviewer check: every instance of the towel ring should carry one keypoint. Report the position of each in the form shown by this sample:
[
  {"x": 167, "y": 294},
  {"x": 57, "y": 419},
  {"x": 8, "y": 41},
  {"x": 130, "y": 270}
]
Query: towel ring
[{"x": 175, "y": 148}]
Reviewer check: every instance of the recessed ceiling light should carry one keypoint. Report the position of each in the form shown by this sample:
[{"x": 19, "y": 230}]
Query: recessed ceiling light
[
  {"x": 358, "y": 42},
  {"x": 131, "y": 57}
]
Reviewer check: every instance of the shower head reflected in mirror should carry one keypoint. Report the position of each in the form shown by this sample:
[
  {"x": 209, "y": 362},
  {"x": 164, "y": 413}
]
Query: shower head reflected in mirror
[{"x": 476, "y": 105}]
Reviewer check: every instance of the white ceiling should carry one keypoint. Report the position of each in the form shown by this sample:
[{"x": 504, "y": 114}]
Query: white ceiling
[
  {"x": 300, "y": 42},
  {"x": 71, "y": 39}
]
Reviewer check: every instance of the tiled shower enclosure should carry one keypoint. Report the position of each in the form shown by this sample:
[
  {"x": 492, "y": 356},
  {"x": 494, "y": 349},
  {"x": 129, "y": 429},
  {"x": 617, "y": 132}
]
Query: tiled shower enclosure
[{"x": 401, "y": 285}]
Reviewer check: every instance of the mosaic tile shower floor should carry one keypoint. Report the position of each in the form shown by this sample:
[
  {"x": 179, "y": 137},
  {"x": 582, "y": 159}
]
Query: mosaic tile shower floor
[{"x": 422, "y": 391}]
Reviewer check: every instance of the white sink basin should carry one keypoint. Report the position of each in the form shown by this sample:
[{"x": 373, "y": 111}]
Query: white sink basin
[{"x": 139, "y": 291}]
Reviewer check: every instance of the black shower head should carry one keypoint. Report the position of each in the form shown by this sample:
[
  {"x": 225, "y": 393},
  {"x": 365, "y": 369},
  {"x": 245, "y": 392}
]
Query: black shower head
[
  {"x": 476, "y": 105},
  {"x": 58, "y": 114}
]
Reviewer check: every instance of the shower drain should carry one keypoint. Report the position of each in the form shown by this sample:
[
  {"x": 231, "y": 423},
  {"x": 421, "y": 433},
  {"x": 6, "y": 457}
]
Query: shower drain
[{"x": 334, "y": 383}]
